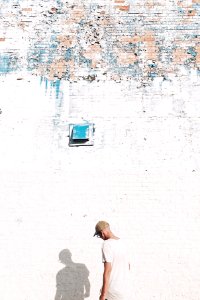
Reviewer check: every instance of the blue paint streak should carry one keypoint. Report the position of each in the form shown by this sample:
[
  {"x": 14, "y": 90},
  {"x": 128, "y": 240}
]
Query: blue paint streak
[
  {"x": 68, "y": 54},
  {"x": 196, "y": 6},
  {"x": 152, "y": 65},
  {"x": 55, "y": 85},
  {"x": 53, "y": 42},
  {"x": 152, "y": 74},
  {"x": 60, "y": 3},
  {"x": 192, "y": 51},
  {"x": 43, "y": 52},
  {"x": 54, "y": 88},
  {"x": 181, "y": 10},
  {"x": 4, "y": 64},
  {"x": 46, "y": 85},
  {"x": 86, "y": 61},
  {"x": 7, "y": 64}
]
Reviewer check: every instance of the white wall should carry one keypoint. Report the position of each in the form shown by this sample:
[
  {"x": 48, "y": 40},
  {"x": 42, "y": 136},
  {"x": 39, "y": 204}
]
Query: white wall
[{"x": 142, "y": 175}]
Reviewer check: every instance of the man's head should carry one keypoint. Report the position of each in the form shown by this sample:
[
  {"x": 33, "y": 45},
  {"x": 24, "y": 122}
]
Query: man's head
[{"x": 102, "y": 230}]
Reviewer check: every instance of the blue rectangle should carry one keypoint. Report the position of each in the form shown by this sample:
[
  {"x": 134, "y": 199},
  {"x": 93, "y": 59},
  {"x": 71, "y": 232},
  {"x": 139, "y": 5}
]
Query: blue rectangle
[{"x": 80, "y": 132}]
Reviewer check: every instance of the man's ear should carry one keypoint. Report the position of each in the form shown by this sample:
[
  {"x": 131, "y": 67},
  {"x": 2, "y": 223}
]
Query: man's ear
[{"x": 103, "y": 234}]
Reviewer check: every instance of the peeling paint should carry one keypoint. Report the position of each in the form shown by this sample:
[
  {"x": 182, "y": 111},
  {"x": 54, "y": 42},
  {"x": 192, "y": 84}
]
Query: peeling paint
[
  {"x": 75, "y": 41},
  {"x": 8, "y": 64}
]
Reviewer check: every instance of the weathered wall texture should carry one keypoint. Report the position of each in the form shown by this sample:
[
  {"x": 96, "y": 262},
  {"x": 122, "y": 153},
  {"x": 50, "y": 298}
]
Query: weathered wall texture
[
  {"x": 94, "y": 41},
  {"x": 132, "y": 68}
]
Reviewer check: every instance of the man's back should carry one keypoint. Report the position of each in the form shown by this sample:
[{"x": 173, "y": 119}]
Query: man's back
[{"x": 114, "y": 251}]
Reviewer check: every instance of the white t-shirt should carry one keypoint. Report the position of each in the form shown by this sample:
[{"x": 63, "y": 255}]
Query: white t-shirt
[{"x": 115, "y": 252}]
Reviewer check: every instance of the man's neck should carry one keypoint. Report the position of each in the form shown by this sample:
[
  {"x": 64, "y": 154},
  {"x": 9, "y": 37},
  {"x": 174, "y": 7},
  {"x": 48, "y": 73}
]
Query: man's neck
[{"x": 112, "y": 236}]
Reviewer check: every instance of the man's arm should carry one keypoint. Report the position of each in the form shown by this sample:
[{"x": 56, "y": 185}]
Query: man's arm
[{"x": 106, "y": 276}]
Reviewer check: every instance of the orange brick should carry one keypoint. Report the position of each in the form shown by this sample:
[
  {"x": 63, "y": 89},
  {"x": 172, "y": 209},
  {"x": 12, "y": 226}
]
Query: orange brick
[
  {"x": 148, "y": 38},
  {"x": 180, "y": 55},
  {"x": 119, "y": 1},
  {"x": 123, "y": 8},
  {"x": 150, "y": 4},
  {"x": 93, "y": 52},
  {"x": 65, "y": 41},
  {"x": 191, "y": 12},
  {"x": 27, "y": 9},
  {"x": 198, "y": 55},
  {"x": 126, "y": 58},
  {"x": 57, "y": 68},
  {"x": 128, "y": 39}
]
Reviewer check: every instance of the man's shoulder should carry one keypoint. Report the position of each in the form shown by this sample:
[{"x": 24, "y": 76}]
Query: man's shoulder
[
  {"x": 108, "y": 242},
  {"x": 111, "y": 243}
]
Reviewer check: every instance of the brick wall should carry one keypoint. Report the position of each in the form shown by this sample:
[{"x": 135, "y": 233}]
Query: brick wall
[{"x": 132, "y": 69}]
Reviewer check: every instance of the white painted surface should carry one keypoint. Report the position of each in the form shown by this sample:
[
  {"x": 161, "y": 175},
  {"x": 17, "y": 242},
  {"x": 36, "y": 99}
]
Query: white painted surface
[{"x": 142, "y": 176}]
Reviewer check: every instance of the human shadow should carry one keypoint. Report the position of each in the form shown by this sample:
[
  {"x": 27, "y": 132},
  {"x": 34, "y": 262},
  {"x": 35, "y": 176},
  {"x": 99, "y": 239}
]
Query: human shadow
[{"x": 72, "y": 281}]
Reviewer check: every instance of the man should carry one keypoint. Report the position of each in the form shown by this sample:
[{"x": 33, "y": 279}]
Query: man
[{"x": 116, "y": 264}]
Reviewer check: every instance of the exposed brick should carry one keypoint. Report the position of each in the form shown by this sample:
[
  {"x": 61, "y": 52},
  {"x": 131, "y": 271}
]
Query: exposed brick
[
  {"x": 123, "y": 7},
  {"x": 27, "y": 9}
]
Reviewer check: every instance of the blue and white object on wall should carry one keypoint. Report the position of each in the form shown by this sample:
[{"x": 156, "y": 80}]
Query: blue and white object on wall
[{"x": 81, "y": 134}]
